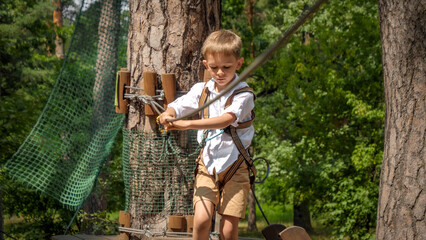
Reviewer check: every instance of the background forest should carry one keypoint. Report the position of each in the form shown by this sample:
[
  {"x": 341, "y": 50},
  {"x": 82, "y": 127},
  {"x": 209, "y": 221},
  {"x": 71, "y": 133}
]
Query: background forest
[{"x": 319, "y": 115}]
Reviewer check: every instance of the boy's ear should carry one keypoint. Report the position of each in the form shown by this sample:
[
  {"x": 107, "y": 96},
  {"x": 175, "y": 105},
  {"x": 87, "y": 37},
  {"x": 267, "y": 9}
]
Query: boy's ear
[
  {"x": 240, "y": 63},
  {"x": 205, "y": 64}
]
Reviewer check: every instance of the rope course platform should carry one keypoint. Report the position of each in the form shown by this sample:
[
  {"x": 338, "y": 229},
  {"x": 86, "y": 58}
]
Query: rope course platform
[
  {"x": 72, "y": 139},
  {"x": 115, "y": 237}
]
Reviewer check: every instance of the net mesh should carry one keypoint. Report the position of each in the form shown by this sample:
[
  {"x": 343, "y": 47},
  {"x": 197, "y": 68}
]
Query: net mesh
[
  {"x": 74, "y": 134},
  {"x": 158, "y": 171}
]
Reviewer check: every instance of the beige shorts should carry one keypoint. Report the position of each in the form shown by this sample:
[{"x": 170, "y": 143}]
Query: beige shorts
[{"x": 233, "y": 199}]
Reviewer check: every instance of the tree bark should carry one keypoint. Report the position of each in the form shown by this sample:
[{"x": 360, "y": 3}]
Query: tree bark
[
  {"x": 251, "y": 223},
  {"x": 402, "y": 197},
  {"x": 58, "y": 22},
  {"x": 302, "y": 216},
  {"x": 166, "y": 37},
  {"x": 250, "y": 11}
]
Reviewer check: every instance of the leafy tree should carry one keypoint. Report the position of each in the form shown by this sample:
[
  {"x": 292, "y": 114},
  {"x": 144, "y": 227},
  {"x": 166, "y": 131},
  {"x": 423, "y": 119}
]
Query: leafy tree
[{"x": 28, "y": 70}]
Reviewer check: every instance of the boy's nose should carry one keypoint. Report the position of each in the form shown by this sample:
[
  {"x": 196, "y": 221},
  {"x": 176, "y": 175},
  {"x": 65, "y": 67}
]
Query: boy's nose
[{"x": 220, "y": 72}]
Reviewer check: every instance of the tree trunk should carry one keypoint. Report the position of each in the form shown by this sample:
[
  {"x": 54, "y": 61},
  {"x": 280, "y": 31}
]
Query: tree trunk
[
  {"x": 402, "y": 198},
  {"x": 57, "y": 20},
  {"x": 166, "y": 37},
  {"x": 250, "y": 11},
  {"x": 95, "y": 203},
  {"x": 251, "y": 213},
  {"x": 302, "y": 216}
]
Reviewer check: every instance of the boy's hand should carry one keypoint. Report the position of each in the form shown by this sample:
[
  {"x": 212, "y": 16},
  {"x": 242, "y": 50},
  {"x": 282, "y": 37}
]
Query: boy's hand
[
  {"x": 164, "y": 117},
  {"x": 178, "y": 125}
]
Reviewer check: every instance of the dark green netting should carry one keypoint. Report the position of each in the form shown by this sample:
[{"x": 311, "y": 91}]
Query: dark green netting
[
  {"x": 65, "y": 150},
  {"x": 158, "y": 171}
]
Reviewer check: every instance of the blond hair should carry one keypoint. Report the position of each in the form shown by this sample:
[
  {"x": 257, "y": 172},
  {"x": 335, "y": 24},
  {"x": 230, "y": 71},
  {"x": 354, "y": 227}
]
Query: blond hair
[{"x": 222, "y": 41}]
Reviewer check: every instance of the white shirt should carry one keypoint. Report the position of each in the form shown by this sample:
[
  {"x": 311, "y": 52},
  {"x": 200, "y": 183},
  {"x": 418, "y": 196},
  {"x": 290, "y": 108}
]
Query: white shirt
[{"x": 220, "y": 152}]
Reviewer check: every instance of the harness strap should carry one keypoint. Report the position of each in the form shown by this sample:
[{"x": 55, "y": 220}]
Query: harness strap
[
  {"x": 244, "y": 155},
  {"x": 241, "y": 90},
  {"x": 229, "y": 102},
  {"x": 203, "y": 99}
]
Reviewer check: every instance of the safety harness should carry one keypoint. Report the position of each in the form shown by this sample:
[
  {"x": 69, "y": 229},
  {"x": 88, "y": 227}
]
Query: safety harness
[{"x": 244, "y": 154}]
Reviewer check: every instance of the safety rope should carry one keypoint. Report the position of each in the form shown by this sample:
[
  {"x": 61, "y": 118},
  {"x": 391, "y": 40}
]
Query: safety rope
[
  {"x": 216, "y": 135},
  {"x": 150, "y": 100}
]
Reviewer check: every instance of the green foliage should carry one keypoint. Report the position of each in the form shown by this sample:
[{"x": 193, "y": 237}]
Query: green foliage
[
  {"x": 320, "y": 111},
  {"x": 42, "y": 216},
  {"x": 28, "y": 71},
  {"x": 112, "y": 186},
  {"x": 100, "y": 223}
]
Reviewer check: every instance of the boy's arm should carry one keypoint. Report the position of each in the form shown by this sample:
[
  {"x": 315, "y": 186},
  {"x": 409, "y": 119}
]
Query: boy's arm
[{"x": 210, "y": 123}]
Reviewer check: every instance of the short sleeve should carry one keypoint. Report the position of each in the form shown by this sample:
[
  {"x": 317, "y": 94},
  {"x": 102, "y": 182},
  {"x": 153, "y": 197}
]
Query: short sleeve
[
  {"x": 241, "y": 106},
  {"x": 189, "y": 101}
]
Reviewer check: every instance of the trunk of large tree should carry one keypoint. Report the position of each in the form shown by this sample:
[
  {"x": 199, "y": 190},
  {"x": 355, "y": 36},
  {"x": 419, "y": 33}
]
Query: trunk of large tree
[
  {"x": 165, "y": 37},
  {"x": 402, "y": 198}
]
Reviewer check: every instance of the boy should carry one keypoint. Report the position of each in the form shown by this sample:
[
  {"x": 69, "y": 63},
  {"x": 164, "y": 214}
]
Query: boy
[{"x": 221, "y": 52}]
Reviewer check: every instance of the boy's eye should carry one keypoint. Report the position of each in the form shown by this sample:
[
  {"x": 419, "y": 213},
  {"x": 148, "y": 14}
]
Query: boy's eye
[{"x": 213, "y": 67}]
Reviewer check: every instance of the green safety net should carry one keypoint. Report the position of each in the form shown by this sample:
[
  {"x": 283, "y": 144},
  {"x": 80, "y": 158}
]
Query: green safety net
[
  {"x": 73, "y": 136},
  {"x": 158, "y": 171}
]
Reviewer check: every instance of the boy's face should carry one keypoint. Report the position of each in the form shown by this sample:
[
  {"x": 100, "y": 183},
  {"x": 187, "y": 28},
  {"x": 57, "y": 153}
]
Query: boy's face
[{"x": 222, "y": 68}]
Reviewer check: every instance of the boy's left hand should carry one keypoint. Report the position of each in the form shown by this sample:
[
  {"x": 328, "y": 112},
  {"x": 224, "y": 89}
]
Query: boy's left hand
[{"x": 178, "y": 125}]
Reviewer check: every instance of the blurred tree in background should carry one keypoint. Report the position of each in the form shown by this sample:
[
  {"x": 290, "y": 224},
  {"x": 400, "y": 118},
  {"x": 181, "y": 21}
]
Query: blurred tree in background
[
  {"x": 28, "y": 69},
  {"x": 320, "y": 110}
]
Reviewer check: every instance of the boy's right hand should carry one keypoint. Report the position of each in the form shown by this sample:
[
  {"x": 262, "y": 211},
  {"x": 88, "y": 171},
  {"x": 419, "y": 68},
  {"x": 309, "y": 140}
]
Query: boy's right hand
[
  {"x": 164, "y": 117},
  {"x": 167, "y": 115}
]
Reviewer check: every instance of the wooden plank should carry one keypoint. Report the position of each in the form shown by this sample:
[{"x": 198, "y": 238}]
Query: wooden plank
[
  {"x": 115, "y": 237},
  {"x": 85, "y": 237},
  {"x": 294, "y": 233}
]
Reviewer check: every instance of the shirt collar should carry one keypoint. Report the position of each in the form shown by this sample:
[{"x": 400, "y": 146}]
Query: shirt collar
[{"x": 210, "y": 86}]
